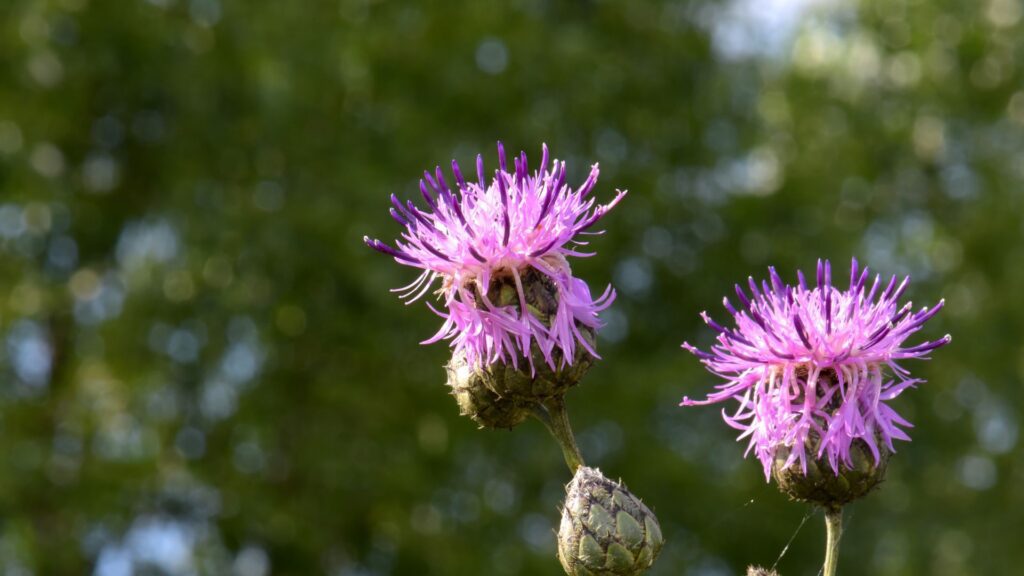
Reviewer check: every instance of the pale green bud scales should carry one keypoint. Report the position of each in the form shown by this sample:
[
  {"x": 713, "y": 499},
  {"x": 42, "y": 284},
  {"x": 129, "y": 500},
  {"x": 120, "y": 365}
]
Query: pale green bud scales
[{"x": 605, "y": 529}]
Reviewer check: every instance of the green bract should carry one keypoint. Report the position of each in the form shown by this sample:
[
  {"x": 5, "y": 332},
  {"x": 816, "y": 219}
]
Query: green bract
[
  {"x": 821, "y": 485},
  {"x": 606, "y": 530}
]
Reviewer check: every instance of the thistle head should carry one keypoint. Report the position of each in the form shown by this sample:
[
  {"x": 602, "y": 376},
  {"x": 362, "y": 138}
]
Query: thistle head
[
  {"x": 813, "y": 369},
  {"x": 497, "y": 254},
  {"x": 605, "y": 529},
  {"x": 474, "y": 388}
]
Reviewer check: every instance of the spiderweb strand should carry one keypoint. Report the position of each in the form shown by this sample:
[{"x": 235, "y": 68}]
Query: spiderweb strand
[{"x": 793, "y": 537}]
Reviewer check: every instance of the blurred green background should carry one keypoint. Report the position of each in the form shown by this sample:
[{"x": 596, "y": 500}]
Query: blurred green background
[{"x": 202, "y": 370}]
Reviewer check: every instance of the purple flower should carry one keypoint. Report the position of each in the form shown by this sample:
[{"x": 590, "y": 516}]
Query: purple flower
[
  {"x": 804, "y": 362},
  {"x": 474, "y": 233}
]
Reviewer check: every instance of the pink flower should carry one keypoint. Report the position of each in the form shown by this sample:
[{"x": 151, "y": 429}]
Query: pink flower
[
  {"x": 475, "y": 233},
  {"x": 802, "y": 361}
]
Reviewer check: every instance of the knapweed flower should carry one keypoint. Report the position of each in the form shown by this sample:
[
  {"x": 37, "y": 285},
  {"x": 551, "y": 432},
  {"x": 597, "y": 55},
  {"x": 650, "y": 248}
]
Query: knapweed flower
[
  {"x": 813, "y": 368},
  {"x": 481, "y": 241}
]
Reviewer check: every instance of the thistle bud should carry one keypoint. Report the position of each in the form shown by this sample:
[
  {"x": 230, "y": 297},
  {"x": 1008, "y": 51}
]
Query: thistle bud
[
  {"x": 824, "y": 486},
  {"x": 474, "y": 390},
  {"x": 605, "y": 529}
]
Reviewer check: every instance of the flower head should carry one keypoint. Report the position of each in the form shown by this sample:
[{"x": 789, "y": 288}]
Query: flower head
[
  {"x": 606, "y": 530},
  {"x": 479, "y": 241},
  {"x": 808, "y": 366}
]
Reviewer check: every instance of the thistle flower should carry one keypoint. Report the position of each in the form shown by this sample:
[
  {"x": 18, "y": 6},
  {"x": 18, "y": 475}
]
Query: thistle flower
[
  {"x": 479, "y": 240},
  {"x": 813, "y": 370},
  {"x": 605, "y": 529}
]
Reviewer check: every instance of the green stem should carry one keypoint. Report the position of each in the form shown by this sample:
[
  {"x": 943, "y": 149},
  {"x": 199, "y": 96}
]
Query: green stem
[
  {"x": 555, "y": 418},
  {"x": 834, "y": 531}
]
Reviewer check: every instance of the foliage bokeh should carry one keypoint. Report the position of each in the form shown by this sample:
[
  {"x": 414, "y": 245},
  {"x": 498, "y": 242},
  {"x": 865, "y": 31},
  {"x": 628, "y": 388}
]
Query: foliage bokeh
[{"x": 202, "y": 370}]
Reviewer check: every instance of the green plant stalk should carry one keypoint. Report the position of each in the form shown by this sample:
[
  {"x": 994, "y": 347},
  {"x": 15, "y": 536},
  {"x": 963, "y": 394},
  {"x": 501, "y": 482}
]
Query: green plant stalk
[
  {"x": 553, "y": 415},
  {"x": 834, "y": 531}
]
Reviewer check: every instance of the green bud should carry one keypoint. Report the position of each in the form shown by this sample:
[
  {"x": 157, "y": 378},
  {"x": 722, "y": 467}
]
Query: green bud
[
  {"x": 821, "y": 485},
  {"x": 606, "y": 530},
  {"x": 474, "y": 390}
]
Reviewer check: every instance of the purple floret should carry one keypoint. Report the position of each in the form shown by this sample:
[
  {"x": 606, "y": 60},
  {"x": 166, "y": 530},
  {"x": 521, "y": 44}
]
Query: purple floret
[
  {"x": 474, "y": 232},
  {"x": 811, "y": 361}
]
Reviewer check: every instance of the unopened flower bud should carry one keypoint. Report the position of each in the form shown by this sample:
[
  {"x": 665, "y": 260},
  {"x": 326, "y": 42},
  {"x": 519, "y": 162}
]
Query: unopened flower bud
[
  {"x": 824, "y": 486},
  {"x": 474, "y": 390},
  {"x": 605, "y": 529}
]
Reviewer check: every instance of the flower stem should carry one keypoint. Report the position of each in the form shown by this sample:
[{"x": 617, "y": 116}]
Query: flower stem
[
  {"x": 553, "y": 415},
  {"x": 834, "y": 531}
]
